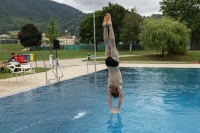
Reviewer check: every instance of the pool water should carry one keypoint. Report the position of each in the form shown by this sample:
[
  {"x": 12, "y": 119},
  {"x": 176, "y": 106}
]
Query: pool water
[{"x": 155, "y": 100}]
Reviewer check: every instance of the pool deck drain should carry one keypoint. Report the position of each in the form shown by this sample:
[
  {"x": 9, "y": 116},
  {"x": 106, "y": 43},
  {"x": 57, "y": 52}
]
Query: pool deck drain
[{"x": 72, "y": 68}]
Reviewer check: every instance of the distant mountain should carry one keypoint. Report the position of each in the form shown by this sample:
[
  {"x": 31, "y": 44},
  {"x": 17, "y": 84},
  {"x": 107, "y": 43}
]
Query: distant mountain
[{"x": 16, "y": 13}]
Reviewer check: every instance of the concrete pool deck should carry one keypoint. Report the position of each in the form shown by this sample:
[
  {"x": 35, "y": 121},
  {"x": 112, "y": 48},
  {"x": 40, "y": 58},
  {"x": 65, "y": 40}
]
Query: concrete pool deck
[{"x": 72, "y": 68}]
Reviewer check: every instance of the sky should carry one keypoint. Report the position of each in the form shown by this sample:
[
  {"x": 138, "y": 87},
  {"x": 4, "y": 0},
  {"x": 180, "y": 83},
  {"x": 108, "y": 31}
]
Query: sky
[{"x": 144, "y": 7}]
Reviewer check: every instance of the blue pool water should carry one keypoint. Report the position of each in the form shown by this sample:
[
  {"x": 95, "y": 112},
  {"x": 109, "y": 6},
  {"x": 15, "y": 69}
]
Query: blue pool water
[{"x": 156, "y": 100}]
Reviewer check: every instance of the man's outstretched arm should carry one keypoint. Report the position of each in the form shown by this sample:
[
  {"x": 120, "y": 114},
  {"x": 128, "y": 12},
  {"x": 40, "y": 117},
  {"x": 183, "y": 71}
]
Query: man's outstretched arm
[
  {"x": 110, "y": 102},
  {"x": 119, "y": 101}
]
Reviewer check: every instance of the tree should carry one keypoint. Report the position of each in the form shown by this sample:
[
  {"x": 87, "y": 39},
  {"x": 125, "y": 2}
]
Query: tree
[
  {"x": 87, "y": 30},
  {"x": 130, "y": 30},
  {"x": 184, "y": 11},
  {"x": 52, "y": 34},
  {"x": 29, "y": 36},
  {"x": 165, "y": 35}
]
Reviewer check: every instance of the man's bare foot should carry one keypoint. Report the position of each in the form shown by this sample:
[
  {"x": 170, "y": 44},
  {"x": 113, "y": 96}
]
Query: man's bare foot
[
  {"x": 109, "y": 19},
  {"x": 106, "y": 18}
]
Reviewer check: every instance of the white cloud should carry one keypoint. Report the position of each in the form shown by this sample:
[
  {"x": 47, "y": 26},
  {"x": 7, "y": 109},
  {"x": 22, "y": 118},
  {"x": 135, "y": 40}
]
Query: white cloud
[{"x": 144, "y": 7}]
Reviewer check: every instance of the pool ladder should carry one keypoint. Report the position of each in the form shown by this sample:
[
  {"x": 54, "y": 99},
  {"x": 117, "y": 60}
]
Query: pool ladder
[{"x": 57, "y": 65}]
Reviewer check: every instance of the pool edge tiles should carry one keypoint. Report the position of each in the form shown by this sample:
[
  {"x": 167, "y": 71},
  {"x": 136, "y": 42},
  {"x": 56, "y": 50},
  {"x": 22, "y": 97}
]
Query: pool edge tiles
[{"x": 161, "y": 65}]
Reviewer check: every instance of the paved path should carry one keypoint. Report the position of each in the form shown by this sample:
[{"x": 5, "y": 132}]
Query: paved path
[{"x": 72, "y": 68}]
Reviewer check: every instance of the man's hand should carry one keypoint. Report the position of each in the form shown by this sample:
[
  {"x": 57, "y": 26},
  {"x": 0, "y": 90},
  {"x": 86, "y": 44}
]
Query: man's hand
[{"x": 114, "y": 111}]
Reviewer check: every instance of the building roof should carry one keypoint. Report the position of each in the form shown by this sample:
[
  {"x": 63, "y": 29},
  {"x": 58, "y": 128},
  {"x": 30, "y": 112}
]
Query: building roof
[
  {"x": 4, "y": 36},
  {"x": 66, "y": 37}
]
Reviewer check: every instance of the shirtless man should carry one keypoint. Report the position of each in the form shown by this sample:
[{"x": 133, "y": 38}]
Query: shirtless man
[{"x": 112, "y": 62}]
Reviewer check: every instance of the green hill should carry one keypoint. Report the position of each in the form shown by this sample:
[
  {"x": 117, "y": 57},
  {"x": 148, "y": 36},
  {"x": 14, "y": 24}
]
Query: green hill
[{"x": 15, "y": 13}]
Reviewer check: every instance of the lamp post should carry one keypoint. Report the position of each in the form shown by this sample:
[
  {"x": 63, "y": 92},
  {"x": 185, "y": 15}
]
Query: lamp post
[{"x": 94, "y": 39}]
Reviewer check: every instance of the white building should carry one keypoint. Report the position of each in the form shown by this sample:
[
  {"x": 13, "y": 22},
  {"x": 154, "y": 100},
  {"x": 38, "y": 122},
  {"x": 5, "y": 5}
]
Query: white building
[
  {"x": 66, "y": 40},
  {"x": 4, "y": 36}
]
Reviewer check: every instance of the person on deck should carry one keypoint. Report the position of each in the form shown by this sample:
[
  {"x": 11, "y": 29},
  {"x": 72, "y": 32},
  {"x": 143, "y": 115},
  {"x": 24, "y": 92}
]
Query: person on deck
[
  {"x": 21, "y": 59},
  {"x": 12, "y": 58}
]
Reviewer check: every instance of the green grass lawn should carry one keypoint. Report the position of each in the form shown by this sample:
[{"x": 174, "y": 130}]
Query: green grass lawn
[
  {"x": 191, "y": 57},
  {"x": 147, "y": 56},
  {"x": 11, "y": 47},
  {"x": 62, "y": 54},
  {"x": 6, "y": 72}
]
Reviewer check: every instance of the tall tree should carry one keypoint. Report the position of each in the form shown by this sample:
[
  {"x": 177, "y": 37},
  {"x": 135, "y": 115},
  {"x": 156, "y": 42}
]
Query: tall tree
[
  {"x": 52, "y": 33},
  {"x": 165, "y": 35},
  {"x": 130, "y": 29},
  {"x": 118, "y": 13},
  {"x": 29, "y": 36},
  {"x": 184, "y": 10},
  {"x": 86, "y": 29}
]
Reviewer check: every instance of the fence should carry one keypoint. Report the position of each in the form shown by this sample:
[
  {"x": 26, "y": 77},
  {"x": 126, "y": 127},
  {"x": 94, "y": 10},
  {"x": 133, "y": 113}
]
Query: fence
[
  {"x": 100, "y": 47},
  {"x": 8, "y": 41}
]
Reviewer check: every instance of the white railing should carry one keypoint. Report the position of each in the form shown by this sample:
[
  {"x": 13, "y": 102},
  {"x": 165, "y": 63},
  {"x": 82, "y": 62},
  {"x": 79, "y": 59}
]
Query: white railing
[{"x": 57, "y": 65}]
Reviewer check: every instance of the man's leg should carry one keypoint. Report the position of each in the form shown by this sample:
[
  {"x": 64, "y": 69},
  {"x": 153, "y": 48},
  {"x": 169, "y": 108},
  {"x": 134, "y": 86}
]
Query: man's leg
[
  {"x": 105, "y": 38},
  {"x": 114, "y": 52}
]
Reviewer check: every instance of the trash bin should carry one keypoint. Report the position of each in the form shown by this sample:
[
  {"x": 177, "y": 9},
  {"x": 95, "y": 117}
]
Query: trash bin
[
  {"x": 27, "y": 57},
  {"x": 31, "y": 57}
]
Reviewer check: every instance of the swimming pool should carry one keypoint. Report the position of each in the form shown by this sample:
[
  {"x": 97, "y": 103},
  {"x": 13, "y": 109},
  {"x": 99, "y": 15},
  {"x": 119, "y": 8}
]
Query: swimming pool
[{"x": 156, "y": 100}]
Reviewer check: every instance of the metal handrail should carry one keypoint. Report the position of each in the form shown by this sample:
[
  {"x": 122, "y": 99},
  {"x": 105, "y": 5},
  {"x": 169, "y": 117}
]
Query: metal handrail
[
  {"x": 56, "y": 74},
  {"x": 60, "y": 69},
  {"x": 53, "y": 73}
]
